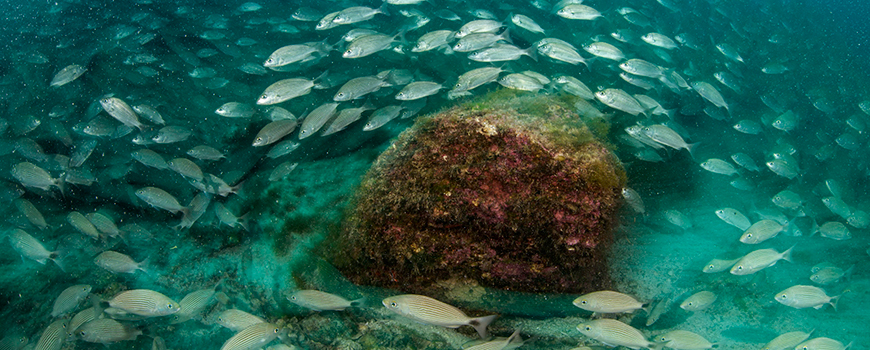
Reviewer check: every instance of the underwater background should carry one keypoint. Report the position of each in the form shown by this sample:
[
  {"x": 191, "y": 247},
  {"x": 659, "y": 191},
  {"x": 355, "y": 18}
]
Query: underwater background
[{"x": 792, "y": 76}]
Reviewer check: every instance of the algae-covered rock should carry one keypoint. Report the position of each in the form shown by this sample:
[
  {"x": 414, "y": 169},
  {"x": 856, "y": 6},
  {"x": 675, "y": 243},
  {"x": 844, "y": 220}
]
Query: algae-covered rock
[{"x": 510, "y": 192}]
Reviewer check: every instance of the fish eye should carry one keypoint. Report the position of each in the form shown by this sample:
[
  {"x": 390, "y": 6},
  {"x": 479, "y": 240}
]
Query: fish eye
[
  {"x": 393, "y": 304},
  {"x": 711, "y": 266},
  {"x": 690, "y": 303},
  {"x": 784, "y": 296},
  {"x": 276, "y": 330},
  {"x": 81, "y": 333},
  {"x": 293, "y": 298},
  {"x": 740, "y": 267},
  {"x": 169, "y": 306},
  {"x": 263, "y": 97},
  {"x": 748, "y": 235},
  {"x": 584, "y": 302},
  {"x": 587, "y": 328}
]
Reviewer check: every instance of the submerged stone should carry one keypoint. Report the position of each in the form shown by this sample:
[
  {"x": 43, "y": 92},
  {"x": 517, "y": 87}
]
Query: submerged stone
[{"x": 511, "y": 191}]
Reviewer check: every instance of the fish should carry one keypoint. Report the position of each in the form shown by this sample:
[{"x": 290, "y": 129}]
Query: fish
[
  {"x": 608, "y": 302},
  {"x": 657, "y": 310},
  {"x": 783, "y": 168},
  {"x": 475, "y": 78},
  {"x": 149, "y": 158},
  {"x": 730, "y": 52},
  {"x": 53, "y": 335},
  {"x": 787, "y": 199},
  {"x": 786, "y": 341},
  {"x": 512, "y": 342},
  {"x": 316, "y": 119},
  {"x": 501, "y": 52},
  {"x": 344, "y": 118},
  {"x": 758, "y": 260},
  {"x": 382, "y": 116},
  {"x": 204, "y": 152},
  {"x": 31, "y": 175},
  {"x": 434, "y": 40},
  {"x": 479, "y": 41},
  {"x": 149, "y": 113},
  {"x": 359, "y": 87},
  {"x": 709, "y": 93},
  {"x": 253, "y": 337},
  {"x": 235, "y": 110},
  {"x": 659, "y": 40},
  {"x": 684, "y": 340},
  {"x": 699, "y": 301},
  {"x": 664, "y": 135},
  {"x": 822, "y": 343},
  {"x": 747, "y": 126},
  {"x": 320, "y": 301},
  {"x": 184, "y": 167},
  {"x": 430, "y": 311},
  {"x": 171, "y": 134},
  {"x": 237, "y": 320},
  {"x": 559, "y": 51},
  {"x": 618, "y": 99},
  {"x": 282, "y": 148},
  {"x": 282, "y": 170},
  {"x": 356, "y": 14},
  {"x": 122, "y": 112},
  {"x": 285, "y": 90},
  {"x": 615, "y": 333},
  {"x": 519, "y": 81},
  {"x": 678, "y": 219},
  {"x": 369, "y": 44},
  {"x": 479, "y": 26},
  {"x": 274, "y": 131},
  {"x": 837, "y": 206},
  {"x": 633, "y": 199},
  {"x": 161, "y": 199},
  {"x": 605, "y": 50},
  {"x": 829, "y": 275},
  {"x": 145, "y": 302},
  {"x": 578, "y": 12},
  {"x": 574, "y": 87},
  {"x": 298, "y": 53},
  {"x": 642, "y": 68},
  {"x": 67, "y": 75},
  {"x": 835, "y": 230},
  {"x": 418, "y": 90},
  {"x": 118, "y": 263},
  {"x": 801, "y": 296},
  {"x": 787, "y": 121},
  {"x": 193, "y": 304},
  {"x": 525, "y": 22},
  {"x": 31, "y": 213},
  {"x": 734, "y": 218},
  {"x": 744, "y": 160},
  {"x": 719, "y": 166},
  {"x": 106, "y": 331},
  {"x": 31, "y": 248},
  {"x": 761, "y": 231},
  {"x": 69, "y": 299},
  {"x": 719, "y": 265},
  {"x": 104, "y": 224}
]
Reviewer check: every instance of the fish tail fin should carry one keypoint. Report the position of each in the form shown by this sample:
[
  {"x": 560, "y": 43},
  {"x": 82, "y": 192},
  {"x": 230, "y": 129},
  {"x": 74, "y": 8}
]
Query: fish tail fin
[
  {"x": 691, "y": 149},
  {"x": 646, "y": 307},
  {"x": 58, "y": 260},
  {"x": 834, "y": 301},
  {"x": 142, "y": 264},
  {"x": 506, "y": 35},
  {"x": 532, "y": 52},
  {"x": 671, "y": 113},
  {"x": 383, "y": 9},
  {"x": 787, "y": 254},
  {"x": 849, "y": 345},
  {"x": 657, "y": 346},
  {"x": 244, "y": 220},
  {"x": 848, "y": 273},
  {"x": 480, "y": 324},
  {"x": 361, "y": 302}
]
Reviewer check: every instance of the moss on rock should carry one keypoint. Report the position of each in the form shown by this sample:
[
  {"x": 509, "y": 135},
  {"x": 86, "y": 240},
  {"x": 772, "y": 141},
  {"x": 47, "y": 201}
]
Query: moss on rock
[{"x": 511, "y": 191}]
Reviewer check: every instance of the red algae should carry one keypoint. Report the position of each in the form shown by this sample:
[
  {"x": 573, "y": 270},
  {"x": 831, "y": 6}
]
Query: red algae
[{"x": 513, "y": 193}]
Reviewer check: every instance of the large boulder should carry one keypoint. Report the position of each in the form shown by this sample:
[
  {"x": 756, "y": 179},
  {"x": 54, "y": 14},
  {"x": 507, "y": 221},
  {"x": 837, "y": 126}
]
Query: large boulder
[{"x": 510, "y": 191}]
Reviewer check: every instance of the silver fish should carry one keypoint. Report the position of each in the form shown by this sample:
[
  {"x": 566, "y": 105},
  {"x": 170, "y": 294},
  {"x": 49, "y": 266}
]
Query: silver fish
[
  {"x": 31, "y": 248},
  {"x": 684, "y": 340},
  {"x": 299, "y": 53},
  {"x": 479, "y": 26},
  {"x": 316, "y": 119},
  {"x": 521, "y": 81},
  {"x": 82, "y": 224},
  {"x": 605, "y": 50},
  {"x": 475, "y": 78},
  {"x": 525, "y": 22},
  {"x": 254, "y": 337},
  {"x": 237, "y": 320},
  {"x": 659, "y": 40},
  {"x": 716, "y": 165},
  {"x": 274, "y": 131},
  {"x": 359, "y": 87},
  {"x": 122, "y": 112},
  {"x": 699, "y": 301},
  {"x": 579, "y": 12},
  {"x": 356, "y": 14},
  {"x": 320, "y": 301},
  {"x": 709, "y": 93},
  {"x": 786, "y": 341},
  {"x": 434, "y": 40},
  {"x": 171, "y": 134},
  {"x": 761, "y": 231},
  {"x": 561, "y": 52},
  {"x": 615, "y": 333},
  {"x": 282, "y": 148},
  {"x": 758, "y": 260},
  {"x": 344, "y": 118},
  {"x": 633, "y": 199},
  {"x": 666, "y": 136},
  {"x": 149, "y": 113},
  {"x": 144, "y": 302},
  {"x": 835, "y": 230},
  {"x": 417, "y": 90},
  {"x": 642, "y": 68},
  {"x": 69, "y": 299},
  {"x": 284, "y": 90},
  {"x": 53, "y": 335},
  {"x": 822, "y": 343},
  {"x": 160, "y": 199},
  {"x": 118, "y": 263},
  {"x": 478, "y": 41},
  {"x": 235, "y": 110},
  {"x": 67, "y": 75},
  {"x": 719, "y": 265},
  {"x": 734, "y": 218},
  {"x": 103, "y": 224},
  {"x": 800, "y": 296},
  {"x": 149, "y": 158},
  {"x": 203, "y": 152},
  {"x": 106, "y": 331},
  {"x": 31, "y": 175},
  {"x": 282, "y": 170},
  {"x": 427, "y": 310},
  {"x": 31, "y": 213},
  {"x": 382, "y": 116},
  {"x": 193, "y": 304},
  {"x": 618, "y": 99},
  {"x": 608, "y": 302},
  {"x": 369, "y": 44}
]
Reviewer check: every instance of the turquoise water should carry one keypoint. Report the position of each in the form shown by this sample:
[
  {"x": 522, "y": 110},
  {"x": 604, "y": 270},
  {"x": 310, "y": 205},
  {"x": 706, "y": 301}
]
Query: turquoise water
[{"x": 184, "y": 58}]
